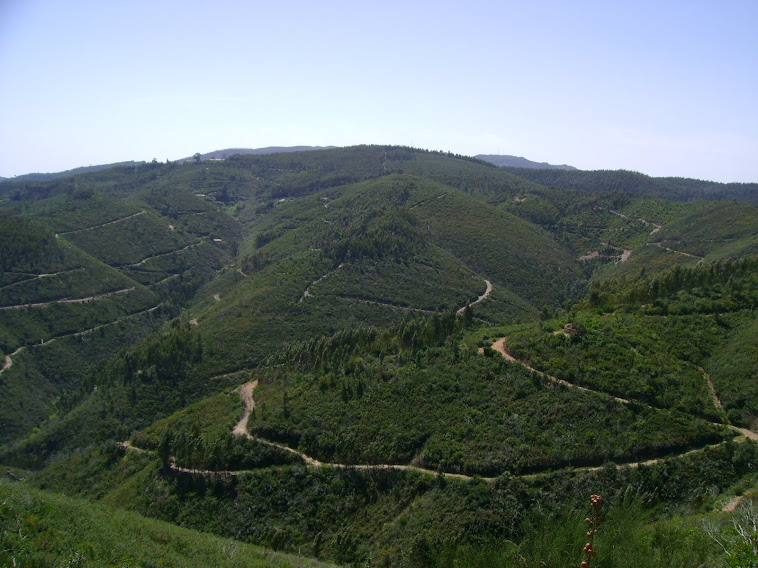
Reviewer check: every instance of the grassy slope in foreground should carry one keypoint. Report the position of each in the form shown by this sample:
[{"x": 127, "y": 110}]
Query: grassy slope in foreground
[{"x": 44, "y": 529}]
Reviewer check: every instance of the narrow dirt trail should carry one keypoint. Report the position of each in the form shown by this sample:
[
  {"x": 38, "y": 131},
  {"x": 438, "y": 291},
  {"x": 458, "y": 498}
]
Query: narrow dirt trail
[
  {"x": 387, "y": 305},
  {"x": 128, "y": 447},
  {"x": 731, "y": 505},
  {"x": 57, "y": 235},
  {"x": 716, "y": 401},
  {"x": 78, "y": 333},
  {"x": 161, "y": 281},
  {"x": 499, "y": 346},
  {"x": 479, "y": 299},
  {"x": 428, "y": 201},
  {"x": 68, "y": 300},
  {"x": 91, "y": 329},
  {"x": 240, "y": 429},
  {"x": 307, "y": 291},
  {"x": 246, "y": 394},
  {"x": 39, "y": 276},
  {"x": 659, "y": 245},
  {"x": 144, "y": 260},
  {"x": 8, "y": 361}
]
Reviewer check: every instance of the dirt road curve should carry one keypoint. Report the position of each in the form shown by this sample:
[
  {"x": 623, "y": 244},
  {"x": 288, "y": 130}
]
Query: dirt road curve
[
  {"x": 246, "y": 394},
  {"x": 479, "y": 299},
  {"x": 499, "y": 346},
  {"x": 240, "y": 429},
  {"x": 8, "y": 362}
]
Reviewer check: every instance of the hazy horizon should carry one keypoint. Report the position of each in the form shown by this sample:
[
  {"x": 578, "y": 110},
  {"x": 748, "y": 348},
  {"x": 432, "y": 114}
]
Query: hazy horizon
[{"x": 660, "y": 88}]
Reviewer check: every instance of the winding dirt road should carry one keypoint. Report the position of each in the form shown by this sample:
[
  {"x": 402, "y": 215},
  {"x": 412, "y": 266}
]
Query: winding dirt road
[
  {"x": 57, "y": 235},
  {"x": 67, "y": 300},
  {"x": 144, "y": 260},
  {"x": 8, "y": 361},
  {"x": 246, "y": 394},
  {"x": 479, "y": 299},
  {"x": 307, "y": 291},
  {"x": 659, "y": 245},
  {"x": 39, "y": 276},
  {"x": 240, "y": 429},
  {"x": 657, "y": 226},
  {"x": 499, "y": 346}
]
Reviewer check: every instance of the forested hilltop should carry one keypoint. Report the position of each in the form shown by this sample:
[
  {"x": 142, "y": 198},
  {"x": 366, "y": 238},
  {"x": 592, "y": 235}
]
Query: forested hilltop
[
  {"x": 381, "y": 356},
  {"x": 678, "y": 188}
]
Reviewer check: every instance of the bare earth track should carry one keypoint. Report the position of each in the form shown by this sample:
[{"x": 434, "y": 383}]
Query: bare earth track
[
  {"x": 68, "y": 300},
  {"x": 57, "y": 235},
  {"x": 246, "y": 394},
  {"x": 479, "y": 299},
  {"x": 8, "y": 358}
]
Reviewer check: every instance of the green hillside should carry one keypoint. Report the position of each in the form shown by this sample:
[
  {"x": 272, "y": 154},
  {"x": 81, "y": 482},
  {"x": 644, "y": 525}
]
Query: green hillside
[
  {"x": 377, "y": 356},
  {"x": 45, "y": 529},
  {"x": 682, "y": 189}
]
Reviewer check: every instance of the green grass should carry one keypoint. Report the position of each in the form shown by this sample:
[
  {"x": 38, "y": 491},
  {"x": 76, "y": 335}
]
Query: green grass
[
  {"x": 403, "y": 518},
  {"x": 44, "y": 529}
]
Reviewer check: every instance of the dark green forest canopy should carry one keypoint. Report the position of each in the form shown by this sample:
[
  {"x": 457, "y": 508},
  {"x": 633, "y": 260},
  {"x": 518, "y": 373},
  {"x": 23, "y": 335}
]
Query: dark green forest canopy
[{"x": 682, "y": 189}]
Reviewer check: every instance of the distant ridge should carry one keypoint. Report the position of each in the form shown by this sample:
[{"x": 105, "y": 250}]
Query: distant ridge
[
  {"x": 68, "y": 173},
  {"x": 599, "y": 181},
  {"x": 223, "y": 154},
  {"x": 215, "y": 155},
  {"x": 519, "y": 162}
]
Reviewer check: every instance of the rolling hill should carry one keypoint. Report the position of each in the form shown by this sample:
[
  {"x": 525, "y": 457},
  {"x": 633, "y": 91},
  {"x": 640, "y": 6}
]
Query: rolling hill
[{"x": 426, "y": 348}]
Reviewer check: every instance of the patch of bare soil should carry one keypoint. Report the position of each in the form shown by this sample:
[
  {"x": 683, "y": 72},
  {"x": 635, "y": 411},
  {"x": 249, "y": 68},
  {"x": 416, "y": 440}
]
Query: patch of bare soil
[{"x": 246, "y": 394}]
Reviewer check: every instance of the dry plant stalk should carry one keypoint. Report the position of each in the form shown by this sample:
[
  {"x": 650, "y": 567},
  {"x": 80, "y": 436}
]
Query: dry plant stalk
[{"x": 593, "y": 522}]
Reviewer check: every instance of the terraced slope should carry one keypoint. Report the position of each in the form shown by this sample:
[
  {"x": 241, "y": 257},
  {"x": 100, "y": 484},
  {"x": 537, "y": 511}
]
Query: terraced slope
[
  {"x": 377, "y": 252},
  {"x": 91, "y": 274}
]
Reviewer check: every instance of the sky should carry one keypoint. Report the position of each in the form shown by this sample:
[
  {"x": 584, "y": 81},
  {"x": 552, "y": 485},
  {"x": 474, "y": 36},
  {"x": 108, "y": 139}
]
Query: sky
[{"x": 664, "y": 87}]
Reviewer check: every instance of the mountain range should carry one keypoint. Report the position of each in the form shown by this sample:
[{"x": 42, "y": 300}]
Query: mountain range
[
  {"x": 519, "y": 162},
  {"x": 379, "y": 355}
]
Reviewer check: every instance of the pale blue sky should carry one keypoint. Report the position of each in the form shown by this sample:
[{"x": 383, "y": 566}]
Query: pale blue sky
[{"x": 661, "y": 87}]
